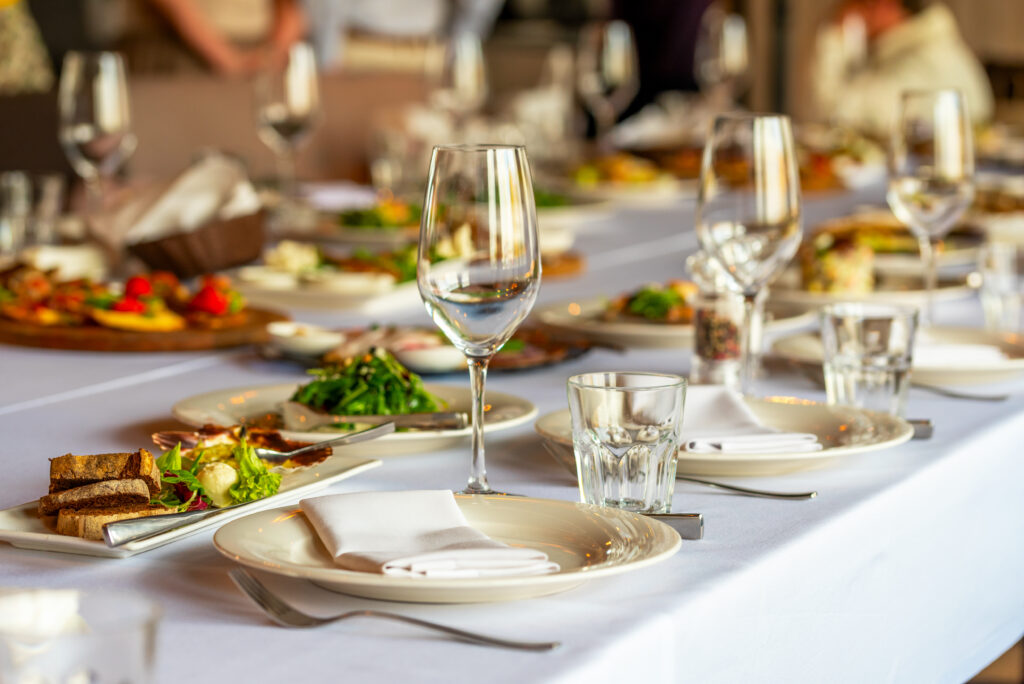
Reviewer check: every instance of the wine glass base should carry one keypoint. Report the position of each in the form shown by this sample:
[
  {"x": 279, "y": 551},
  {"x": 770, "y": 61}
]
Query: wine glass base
[{"x": 487, "y": 492}]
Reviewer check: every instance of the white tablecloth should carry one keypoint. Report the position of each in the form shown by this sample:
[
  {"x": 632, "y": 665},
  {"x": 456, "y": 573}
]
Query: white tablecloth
[{"x": 906, "y": 568}]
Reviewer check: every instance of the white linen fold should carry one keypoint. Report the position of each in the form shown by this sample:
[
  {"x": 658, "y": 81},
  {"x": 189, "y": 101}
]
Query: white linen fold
[
  {"x": 414, "y": 534},
  {"x": 716, "y": 420}
]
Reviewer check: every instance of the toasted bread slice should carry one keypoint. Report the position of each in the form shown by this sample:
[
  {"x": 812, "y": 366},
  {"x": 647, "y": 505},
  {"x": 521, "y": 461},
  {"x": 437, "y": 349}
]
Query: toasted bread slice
[
  {"x": 88, "y": 523},
  {"x": 70, "y": 471},
  {"x": 109, "y": 493}
]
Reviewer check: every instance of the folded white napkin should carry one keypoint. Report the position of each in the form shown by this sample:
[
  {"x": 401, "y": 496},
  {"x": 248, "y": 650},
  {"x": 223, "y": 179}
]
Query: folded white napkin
[
  {"x": 716, "y": 420},
  {"x": 414, "y": 534},
  {"x": 929, "y": 353}
]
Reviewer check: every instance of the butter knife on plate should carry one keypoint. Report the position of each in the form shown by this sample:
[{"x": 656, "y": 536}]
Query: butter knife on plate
[{"x": 301, "y": 418}]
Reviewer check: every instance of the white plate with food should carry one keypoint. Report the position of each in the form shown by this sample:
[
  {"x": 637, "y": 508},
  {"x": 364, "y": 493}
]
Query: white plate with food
[
  {"x": 242, "y": 405},
  {"x": 586, "y": 541},
  {"x": 841, "y": 430},
  {"x": 889, "y": 287},
  {"x": 22, "y": 526},
  {"x": 585, "y": 319},
  {"x": 942, "y": 355}
]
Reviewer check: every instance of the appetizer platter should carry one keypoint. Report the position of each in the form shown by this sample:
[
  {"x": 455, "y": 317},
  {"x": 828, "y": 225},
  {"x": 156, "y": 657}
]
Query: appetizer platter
[
  {"x": 150, "y": 312},
  {"x": 658, "y": 315},
  {"x": 586, "y": 541},
  {"x": 841, "y": 430},
  {"x": 302, "y": 275},
  {"x": 624, "y": 178},
  {"x": 942, "y": 355},
  {"x": 214, "y": 470},
  {"x": 876, "y": 241},
  {"x": 364, "y": 390},
  {"x": 425, "y": 351}
]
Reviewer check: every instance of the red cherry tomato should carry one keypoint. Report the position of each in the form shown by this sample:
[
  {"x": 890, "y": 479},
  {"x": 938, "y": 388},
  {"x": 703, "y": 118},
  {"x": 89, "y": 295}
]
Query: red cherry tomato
[
  {"x": 136, "y": 287},
  {"x": 130, "y": 305},
  {"x": 210, "y": 301}
]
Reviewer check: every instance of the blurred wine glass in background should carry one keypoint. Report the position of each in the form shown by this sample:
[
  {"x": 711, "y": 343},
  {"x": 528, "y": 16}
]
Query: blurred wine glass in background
[
  {"x": 287, "y": 108},
  {"x": 607, "y": 73},
  {"x": 721, "y": 57},
  {"x": 94, "y": 118},
  {"x": 461, "y": 78},
  {"x": 749, "y": 209},
  {"x": 931, "y": 172}
]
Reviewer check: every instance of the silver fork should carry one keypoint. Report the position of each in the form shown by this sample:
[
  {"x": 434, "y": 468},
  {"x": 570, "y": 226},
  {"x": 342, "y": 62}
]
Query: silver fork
[{"x": 286, "y": 616}]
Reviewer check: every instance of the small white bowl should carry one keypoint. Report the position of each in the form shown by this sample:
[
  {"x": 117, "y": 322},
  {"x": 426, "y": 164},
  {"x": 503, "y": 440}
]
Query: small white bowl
[
  {"x": 441, "y": 359},
  {"x": 555, "y": 241},
  {"x": 267, "y": 278},
  {"x": 349, "y": 283},
  {"x": 302, "y": 339}
]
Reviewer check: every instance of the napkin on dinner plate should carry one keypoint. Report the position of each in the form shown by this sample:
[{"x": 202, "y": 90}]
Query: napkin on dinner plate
[
  {"x": 931, "y": 353},
  {"x": 414, "y": 534},
  {"x": 717, "y": 420}
]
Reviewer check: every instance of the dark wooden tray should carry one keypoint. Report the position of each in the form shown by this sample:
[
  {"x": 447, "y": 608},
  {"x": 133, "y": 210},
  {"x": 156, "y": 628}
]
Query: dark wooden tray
[{"x": 96, "y": 338}]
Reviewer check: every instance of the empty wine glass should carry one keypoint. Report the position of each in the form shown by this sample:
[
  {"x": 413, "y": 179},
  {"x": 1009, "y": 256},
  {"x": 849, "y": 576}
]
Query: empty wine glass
[
  {"x": 461, "y": 77},
  {"x": 288, "y": 105},
  {"x": 748, "y": 208},
  {"x": 720, "y": 56},
  {"x": 931, "y": 172},
  {"x": 94, "y": 117},
  {"x": 478, "y": 265},
  {"x": 607, "y": 74}
]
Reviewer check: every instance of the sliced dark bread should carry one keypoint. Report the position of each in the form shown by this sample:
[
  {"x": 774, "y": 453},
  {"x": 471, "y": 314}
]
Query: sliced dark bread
[
  {"x": 108, "y": 494},
  {"x": 88, "y": 523},
  {"x": 71, "y": 471}
]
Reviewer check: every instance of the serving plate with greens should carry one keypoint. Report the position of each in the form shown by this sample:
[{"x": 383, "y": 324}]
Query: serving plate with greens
[
  {"x": 372, "y": 385},
  {"x": 22, "y": 527}
]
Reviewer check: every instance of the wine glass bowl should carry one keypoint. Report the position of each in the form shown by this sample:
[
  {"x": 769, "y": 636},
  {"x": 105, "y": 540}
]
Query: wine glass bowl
[
  {"x": 607, "y": 72},
  {"x": 287, "y": 108},
  {"x": 478, "y": 262},
  {"x": 931, "y": 171},
  {"x": 721, "y": 58},
  {"x": 94, "y": 116},
  {"x": 748, "y": 207},
  {"x": 461, "y": 77}
]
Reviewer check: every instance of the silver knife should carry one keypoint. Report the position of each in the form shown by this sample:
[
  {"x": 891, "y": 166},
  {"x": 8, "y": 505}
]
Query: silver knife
[
  {"x": 301, "y": 418},
  {"x": 690, "y": 526}
]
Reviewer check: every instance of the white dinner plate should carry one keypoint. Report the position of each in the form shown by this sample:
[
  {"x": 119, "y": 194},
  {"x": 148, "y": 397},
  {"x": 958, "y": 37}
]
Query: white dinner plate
[
  {"x": 21, "y": 527},
  {"x": 662, "y": 192},
  {"x": 583, "y": 319},
  {"x": 586, "y": 541},
  {"x": 841, "y": 430},
  {"x": 894, "y": 288},
  {"x": 806, "y": 348},
  {"x": 309, "y": 298},
  {"x": 574, "y": 216},
  {"x": 236, "y": 405}
]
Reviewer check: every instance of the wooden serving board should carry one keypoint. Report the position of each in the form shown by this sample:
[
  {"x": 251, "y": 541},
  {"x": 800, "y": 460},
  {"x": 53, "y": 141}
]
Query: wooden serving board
[{"x": 96, "y": 338}]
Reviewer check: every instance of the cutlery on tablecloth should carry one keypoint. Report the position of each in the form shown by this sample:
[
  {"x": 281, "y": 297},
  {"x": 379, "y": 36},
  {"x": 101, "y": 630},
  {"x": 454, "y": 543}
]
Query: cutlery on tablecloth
[
  {"x": 301, "y": 418},
  {"x": 564, "y": 455},
  {"x": 690, "y": 526},
  {"x": 136, "y": 529},
  {"x": 287, "y": 616}
]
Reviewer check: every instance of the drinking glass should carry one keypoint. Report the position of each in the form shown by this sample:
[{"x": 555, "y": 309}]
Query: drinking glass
[
  {"x": 748, "y": 209},
  {"x": 62, "y": 635},
  {"x": 931, "y": 172},
  {"x": 607, "y": 74},
  {"x": 462, "y": 77},
  {"x": 478, "y": 265},
  {"x": 94, "y": 117},
  {"x": 1002, "y": 286},
  {"x": 868, "y": 350},
  {"x": 625, "y": 433},
  {"x": 288, "y": 105},
  {"x": 720, "y": 56}
]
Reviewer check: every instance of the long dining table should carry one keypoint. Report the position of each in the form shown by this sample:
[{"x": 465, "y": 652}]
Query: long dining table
[{"x": 907, "y": 567}]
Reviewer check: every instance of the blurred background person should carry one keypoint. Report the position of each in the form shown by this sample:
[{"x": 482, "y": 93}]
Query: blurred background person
[
  {"x": 903, "y": 46},
  {"x": 227, "y": 37},
  {"x": 24, "y": 64}
]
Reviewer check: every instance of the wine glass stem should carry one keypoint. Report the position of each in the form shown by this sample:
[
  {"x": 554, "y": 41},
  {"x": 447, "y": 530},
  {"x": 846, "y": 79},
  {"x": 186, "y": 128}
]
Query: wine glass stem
[
  {"x": 93, "y": 194},
  {"x": 930, "y": 253},
  {"x": 477, "y": 379},
  {"x": 286, "y": 173},
  {"x": 748, "y": 360}
]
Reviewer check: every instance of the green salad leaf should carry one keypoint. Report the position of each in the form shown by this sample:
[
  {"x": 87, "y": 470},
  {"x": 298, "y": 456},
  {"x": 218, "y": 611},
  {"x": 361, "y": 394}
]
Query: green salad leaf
[
  {"x": 255, "y": 482},
  {"x": 654, "y": 303},
  {"x": 374, "y": 384}
]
